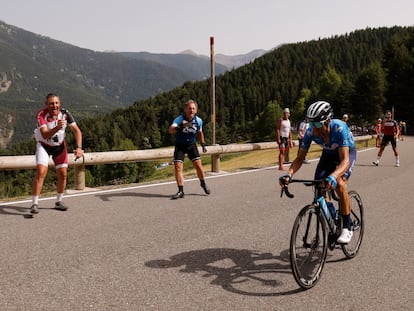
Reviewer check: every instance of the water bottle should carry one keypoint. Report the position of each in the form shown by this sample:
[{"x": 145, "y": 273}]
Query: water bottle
[{"x": 332, "y": 209}]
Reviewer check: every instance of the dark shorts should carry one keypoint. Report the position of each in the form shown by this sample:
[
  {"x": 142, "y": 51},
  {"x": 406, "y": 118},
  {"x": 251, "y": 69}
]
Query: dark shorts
[
  {"x": 387, "y": 139},
  {"x": 181, "y": 150},
  {"x": 328, "y": 163},
  {"x": 284, "y": 143}
]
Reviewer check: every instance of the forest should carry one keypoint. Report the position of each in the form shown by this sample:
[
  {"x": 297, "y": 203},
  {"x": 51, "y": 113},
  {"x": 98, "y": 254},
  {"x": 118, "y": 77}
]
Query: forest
[{"x": 362, "y": 73}]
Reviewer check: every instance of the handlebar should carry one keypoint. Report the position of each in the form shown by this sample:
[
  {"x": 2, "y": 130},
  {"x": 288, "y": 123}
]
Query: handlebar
[
  {"x": 287, "y": 193},
  {"x": 306, "y": 182}
]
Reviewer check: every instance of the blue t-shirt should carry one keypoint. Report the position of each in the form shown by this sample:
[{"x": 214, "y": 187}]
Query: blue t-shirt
[
  {"x": 340, "y": 136},
  {"x": 188, "y": 135}
]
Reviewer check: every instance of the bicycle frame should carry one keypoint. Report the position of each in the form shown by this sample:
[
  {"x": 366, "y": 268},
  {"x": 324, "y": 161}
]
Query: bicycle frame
[{"x": 318, "y": 200}]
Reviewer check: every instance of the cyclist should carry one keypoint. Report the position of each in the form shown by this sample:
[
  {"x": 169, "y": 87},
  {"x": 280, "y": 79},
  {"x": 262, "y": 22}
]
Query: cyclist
[{"x": 337, "y": 159}]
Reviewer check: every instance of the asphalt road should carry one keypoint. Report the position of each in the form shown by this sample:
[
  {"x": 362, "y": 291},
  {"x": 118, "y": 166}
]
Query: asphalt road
[{"x": 135, "y": 249}]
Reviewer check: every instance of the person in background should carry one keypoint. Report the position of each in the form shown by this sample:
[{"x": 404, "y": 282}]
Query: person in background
[
  {"x": 303, "y": 126},
  {"x": 50, "y": 133},
  {"x": 345, "y": 118},
  {"x": 187, "y": 128},
  {"x": 401, "y": 128},
  {"x": 390, "y": 131},
  {"x": 337, "y": 159},
  {"x": 378, "y": 132},
  {"x": 284, "y": 137}
]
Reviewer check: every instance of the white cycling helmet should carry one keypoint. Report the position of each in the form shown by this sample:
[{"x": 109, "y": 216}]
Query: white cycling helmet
[{"x": 319, "y": 111}]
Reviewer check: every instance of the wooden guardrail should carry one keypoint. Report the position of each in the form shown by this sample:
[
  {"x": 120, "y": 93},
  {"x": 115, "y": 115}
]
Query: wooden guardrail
[{"x": 112, "y": 157}]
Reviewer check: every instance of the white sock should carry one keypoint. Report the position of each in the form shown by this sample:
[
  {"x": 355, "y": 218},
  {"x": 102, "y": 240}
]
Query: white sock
[
  {"x": 59, "y": 197},
  {"x": 397, "y": 159},
  {"x": 35, "y": 199}
]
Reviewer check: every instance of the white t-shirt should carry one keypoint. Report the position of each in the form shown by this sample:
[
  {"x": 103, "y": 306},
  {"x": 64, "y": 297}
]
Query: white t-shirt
[{"x": 284, "y": 129}]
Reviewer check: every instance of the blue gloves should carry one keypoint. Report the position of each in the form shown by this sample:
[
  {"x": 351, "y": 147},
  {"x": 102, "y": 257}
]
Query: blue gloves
[
  {"x": 285, "y": 179},
  {"x": 331, "y": 180}
]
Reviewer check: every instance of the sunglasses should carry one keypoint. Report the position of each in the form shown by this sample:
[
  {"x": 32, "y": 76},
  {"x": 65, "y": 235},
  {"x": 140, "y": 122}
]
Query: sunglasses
[{"x": 316, "y": 124}]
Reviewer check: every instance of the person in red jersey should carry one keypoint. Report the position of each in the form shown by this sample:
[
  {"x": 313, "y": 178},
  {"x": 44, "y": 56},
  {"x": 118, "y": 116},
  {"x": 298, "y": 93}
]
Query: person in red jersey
[
  {"x": 50, "y": 141},
  {"x": 390, "y": 131}
]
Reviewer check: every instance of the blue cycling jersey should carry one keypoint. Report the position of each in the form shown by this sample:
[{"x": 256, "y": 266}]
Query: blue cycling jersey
[
  {"x": 187, "y": 135},
  {"x": 340, "y": 136}
]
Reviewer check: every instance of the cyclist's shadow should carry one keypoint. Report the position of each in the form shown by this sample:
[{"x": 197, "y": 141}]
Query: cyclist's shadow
[{"x": 242, "y": 271}]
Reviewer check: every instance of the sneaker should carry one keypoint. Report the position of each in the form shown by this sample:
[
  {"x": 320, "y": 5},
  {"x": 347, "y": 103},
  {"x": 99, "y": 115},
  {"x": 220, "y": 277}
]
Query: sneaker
[
  {"x": 345, "y": 237},
  {"x": 376, "y": 162},
  {"x": 397, "y": 164},
  {"x": 206, "y": 189},
  {"x": 60, "y": 206},
  {"x": 34, "y": 209},
  {"x": 178, "y": 195},
  {"x": 306, "y": 161}
]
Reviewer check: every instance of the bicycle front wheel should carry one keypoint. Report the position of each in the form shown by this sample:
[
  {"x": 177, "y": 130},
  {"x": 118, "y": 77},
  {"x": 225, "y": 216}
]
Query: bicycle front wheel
[
  {"x": 308, "y": 246},
  {"x": 357, "y": 220}
]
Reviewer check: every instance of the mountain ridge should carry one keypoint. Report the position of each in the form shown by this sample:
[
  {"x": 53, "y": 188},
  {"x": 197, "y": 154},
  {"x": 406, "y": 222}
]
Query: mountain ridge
[{"x": 89, "y": 82}]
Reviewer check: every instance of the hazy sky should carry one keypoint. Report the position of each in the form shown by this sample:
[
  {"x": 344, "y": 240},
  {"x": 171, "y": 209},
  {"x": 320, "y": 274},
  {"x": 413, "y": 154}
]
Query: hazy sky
[{"x": 171, "y": 26}]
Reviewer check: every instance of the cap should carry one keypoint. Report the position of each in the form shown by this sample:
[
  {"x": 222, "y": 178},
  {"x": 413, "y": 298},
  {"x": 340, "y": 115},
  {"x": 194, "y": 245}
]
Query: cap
[
  {"x": 345, "y": 116},
  {"x": 286, "y": 110}
]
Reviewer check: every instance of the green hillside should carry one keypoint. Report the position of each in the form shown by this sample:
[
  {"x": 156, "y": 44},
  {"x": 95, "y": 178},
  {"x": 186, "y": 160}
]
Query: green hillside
[
  {"x": 88, "y": 82},
  {"x": 361, "y": 74},
  {"x": 354, "y": 72}
]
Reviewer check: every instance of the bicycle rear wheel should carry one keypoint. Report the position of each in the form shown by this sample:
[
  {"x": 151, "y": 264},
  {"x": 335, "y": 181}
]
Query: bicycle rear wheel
[
  {"x": 308, "y": 246},
  {"x": 357, "y": 219}
]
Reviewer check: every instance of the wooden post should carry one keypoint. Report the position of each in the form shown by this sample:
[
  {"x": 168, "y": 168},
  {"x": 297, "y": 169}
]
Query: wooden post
[
  {"x": 215, "y": 158},
  {"x": 80, "y": 175}
]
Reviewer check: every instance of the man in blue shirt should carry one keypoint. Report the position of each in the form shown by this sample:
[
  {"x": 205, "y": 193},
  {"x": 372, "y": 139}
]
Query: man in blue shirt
[
  {"x": 337, "y": 160},
  {"x": 187, "y": 128}
]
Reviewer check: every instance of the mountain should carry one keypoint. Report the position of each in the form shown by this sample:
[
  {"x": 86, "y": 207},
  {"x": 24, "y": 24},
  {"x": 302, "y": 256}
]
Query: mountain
[
  {"x": 238, "y": 60},
  {"x": 88, "y": 82},
  {"x": 196, "y": 67},
  {"x": 109, "y": 76}
]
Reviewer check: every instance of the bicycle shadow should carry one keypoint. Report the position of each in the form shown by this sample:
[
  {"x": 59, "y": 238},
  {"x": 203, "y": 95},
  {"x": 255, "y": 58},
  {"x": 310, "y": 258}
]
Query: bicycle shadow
[{"x": 240, "y": 271}]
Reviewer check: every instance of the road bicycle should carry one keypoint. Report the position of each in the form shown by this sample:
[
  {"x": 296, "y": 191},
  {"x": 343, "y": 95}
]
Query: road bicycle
[{"x": 316, "y": 229}]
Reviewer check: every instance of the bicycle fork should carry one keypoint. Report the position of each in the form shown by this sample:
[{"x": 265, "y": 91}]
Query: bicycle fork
[{"x": 321, "y": 208}]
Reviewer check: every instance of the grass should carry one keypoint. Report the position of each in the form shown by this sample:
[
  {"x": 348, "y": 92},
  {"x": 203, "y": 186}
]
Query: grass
[
  {"x": 231, "y": 163},
  {"x": 242, "y": 161}
]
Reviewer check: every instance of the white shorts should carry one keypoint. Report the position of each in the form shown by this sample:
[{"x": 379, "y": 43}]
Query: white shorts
[{"x": 59, "y": 155}]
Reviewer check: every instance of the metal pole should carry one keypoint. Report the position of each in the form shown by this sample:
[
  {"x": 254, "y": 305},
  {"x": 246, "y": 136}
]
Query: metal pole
[{"x": 215, "y": 158}]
